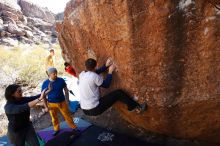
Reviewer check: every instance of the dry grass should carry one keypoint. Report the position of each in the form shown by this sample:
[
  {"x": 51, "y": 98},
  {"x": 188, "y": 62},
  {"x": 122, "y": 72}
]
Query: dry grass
[{"x": 26, "y": 63}]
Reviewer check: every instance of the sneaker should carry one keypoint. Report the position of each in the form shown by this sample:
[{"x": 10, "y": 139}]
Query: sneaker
[{"x": 55, "y": 132}]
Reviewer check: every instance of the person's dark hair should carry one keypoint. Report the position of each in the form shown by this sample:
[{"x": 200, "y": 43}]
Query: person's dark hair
[
  {"x": 51, "y": 50},
  {"x": 66, "y": 64},
  {"x": 9, "y": 91},
  {"x": 90, "y": 64}
]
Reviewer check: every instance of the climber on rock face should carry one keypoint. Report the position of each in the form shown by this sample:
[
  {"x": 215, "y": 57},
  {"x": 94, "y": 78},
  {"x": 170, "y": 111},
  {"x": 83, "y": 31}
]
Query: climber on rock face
[{"x": 89, "y": 83}]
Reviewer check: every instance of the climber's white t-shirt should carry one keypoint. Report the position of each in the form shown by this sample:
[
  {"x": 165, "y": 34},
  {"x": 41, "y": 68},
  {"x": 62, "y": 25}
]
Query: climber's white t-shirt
[{"x": 89, "y": 83}]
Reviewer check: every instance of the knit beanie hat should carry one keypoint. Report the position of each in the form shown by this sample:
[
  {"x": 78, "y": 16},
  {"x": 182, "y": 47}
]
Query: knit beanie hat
[{"x": 51, "y": 70}]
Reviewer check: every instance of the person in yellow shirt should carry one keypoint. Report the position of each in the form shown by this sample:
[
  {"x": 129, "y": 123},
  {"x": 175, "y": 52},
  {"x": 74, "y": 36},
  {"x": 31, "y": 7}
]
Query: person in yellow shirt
[{"x": 50, "y": 60}]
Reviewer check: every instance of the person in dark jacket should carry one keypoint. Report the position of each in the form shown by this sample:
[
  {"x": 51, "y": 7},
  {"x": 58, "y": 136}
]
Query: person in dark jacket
[{"x": 17, "y": 109}]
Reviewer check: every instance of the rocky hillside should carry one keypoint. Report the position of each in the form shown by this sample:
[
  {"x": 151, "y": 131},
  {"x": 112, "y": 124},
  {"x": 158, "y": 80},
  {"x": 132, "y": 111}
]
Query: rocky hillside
[
  {"x": 31, "y": 10},
  {"x": 167, "y": 52},
  {"x": 22, "y": 21},
  {"x": 59, "y": 16}
]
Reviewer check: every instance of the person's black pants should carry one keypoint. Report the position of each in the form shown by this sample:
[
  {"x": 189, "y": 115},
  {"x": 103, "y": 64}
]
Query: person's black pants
[
  {"x": 108, "y": 100},
  {"x": 25, "y": 135}
]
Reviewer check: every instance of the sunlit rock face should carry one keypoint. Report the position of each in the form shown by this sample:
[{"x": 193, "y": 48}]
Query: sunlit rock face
[
  {"x": 31, "y": 10},
  {"x": 24, "y": 22},
  {"x": 167, "y": 53}
]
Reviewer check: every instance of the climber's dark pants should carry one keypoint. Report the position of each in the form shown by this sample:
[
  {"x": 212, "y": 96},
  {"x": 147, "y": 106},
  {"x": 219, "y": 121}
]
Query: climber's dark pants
[{"x": 108, "y": 100}]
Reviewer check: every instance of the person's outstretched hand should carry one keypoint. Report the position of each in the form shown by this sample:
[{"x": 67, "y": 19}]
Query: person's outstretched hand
[
  {"x": 111, "y": 69},
  {"x": 50, "y": 87},
  {"x": 45, "y": 110},
  {"x": 42, "y": 94},
  {"x": 109, "y": 62}
]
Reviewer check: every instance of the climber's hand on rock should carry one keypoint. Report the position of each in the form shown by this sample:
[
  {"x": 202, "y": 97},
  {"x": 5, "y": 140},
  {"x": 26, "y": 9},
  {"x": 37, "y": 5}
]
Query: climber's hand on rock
[
  {"x": 111, "y": 69},
  {"x": 109, "y": 62}
]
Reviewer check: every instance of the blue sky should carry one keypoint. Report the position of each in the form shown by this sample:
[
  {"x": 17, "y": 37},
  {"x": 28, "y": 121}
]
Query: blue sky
[{"x": 55, "y": 6}]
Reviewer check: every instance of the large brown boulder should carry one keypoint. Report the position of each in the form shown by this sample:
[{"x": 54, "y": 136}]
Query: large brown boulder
[
  {"x": 167, "y": 52},
  {"x": 31, "y": 10}
]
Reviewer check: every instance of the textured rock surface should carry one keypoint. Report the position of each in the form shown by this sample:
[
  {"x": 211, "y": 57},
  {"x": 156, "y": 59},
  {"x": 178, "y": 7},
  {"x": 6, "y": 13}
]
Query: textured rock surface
[
  {"x": 59, "y": 16},
  {"x": 31, "y": 10},
  {"x": 26, "y": 23},
  {"x": 167, "y": 49},
  {"x": 10, "y": 4},
  {"x": 10, "y": 9}
]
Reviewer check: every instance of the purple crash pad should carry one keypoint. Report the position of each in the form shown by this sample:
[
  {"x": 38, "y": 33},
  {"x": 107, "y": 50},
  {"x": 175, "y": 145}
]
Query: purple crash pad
[{"x": 47, "y": 134}]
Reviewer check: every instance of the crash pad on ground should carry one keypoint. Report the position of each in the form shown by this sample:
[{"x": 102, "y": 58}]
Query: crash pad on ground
[
  {"x": 46, "y": 134},
  {"x": 89, "y": 135},
  {"x": 98, "y": 136}
]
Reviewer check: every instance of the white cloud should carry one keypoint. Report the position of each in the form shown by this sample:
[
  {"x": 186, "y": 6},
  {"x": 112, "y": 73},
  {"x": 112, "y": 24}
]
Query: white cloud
[{"x": 55, "y": 6}]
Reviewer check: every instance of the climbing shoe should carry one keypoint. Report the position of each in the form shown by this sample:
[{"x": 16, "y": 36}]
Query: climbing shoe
[{"x": 141, "y": 108}]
